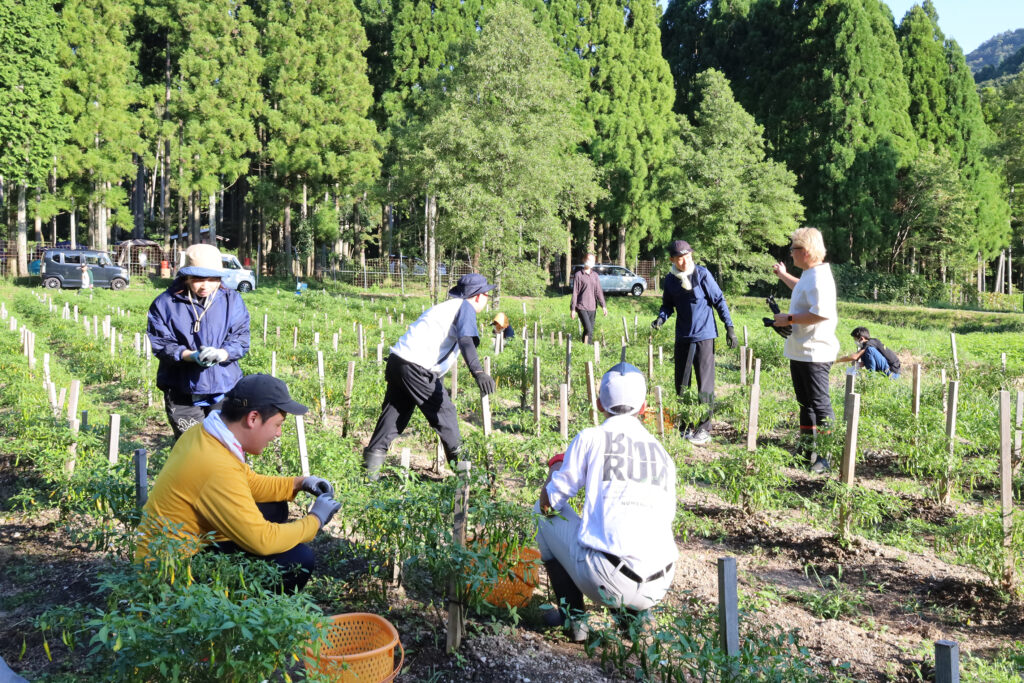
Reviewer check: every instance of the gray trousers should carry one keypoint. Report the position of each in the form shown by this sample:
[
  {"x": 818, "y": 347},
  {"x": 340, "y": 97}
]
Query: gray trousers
[{"x": 592, "y": 572}]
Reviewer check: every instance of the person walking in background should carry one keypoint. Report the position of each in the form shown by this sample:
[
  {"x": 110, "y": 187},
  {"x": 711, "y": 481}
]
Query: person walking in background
[
  {"x": 872, "y": 354},
  {"x": 86, "y": 276},
  {"x": 690, "y": 291},
  {"x": 199, "y": 329},
  {"x": 417, "y": 363},
  {"x": 586, "y": 294},
  {"x": 813, "y": 345}
]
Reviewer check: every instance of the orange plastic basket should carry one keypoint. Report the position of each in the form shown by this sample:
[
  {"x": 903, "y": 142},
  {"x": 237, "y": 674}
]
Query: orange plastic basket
[
  {"x": 650, "y": 417},
  {"x": 516, "y": 588},
  {"x": 359, "y": 648}
]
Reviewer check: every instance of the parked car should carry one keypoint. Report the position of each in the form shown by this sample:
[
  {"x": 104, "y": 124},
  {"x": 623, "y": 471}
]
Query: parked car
[
  {"x": 61, "y": 269},
  {"x": 235, "y": 275},
  {"x": 616, "y": 279}
]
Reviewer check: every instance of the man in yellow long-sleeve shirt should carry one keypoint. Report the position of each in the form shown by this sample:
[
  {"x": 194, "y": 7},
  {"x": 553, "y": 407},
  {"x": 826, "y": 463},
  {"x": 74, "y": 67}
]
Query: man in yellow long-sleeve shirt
[{"x": 206, "y": 486}]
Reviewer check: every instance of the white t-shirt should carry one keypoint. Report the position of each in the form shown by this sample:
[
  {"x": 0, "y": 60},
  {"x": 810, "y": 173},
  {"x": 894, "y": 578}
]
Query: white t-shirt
[
  {"x": 631, "y": 492},
  {"x": 815, "y": 292},
  {"x": 432, "y": 341}
]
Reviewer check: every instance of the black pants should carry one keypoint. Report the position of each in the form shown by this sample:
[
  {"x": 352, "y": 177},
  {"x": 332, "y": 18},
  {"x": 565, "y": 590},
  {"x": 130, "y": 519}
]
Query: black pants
[
  {"x": 182, "y": 412},
  {"x": 700, "y": 357},
  {"x": 587, "y": 319},
  {"x": 296, "y": 564},
  {"x": 411, "y": 386},
  {"x": 810, "y": 382}
]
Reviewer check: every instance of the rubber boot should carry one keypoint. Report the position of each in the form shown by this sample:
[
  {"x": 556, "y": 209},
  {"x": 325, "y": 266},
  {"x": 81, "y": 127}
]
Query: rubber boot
[
  {"x": 569, "y": 597},
  {"x": 372, "y": 462}
]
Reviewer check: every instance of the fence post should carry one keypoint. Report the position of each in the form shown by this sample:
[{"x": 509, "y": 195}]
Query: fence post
[
  {"x": 141, "y": 481},
  {"x": 456, "y": 611},
  {"x": 947, "y": 661},
  {"x": 728, "y": 607}
]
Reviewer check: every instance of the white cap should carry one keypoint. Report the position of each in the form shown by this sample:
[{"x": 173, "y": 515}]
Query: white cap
[{"x": 623, "y": 389}]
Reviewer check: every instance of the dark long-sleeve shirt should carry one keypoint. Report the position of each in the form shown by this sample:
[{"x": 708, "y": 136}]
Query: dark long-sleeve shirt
[
  {"x": 586, "y": 292},
  {"x": 694, "y": 308}
]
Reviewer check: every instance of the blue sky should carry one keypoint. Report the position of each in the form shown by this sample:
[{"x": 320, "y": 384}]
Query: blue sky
[{"x": 970, "y": 22}]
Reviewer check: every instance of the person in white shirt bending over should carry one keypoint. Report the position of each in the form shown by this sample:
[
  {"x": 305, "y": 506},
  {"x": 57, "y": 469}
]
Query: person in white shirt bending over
[
  {"x": 622, "y": 551},
  {"x": 813, "y": 346}
]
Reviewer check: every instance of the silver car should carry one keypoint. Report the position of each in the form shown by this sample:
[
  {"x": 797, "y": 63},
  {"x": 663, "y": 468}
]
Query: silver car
[
  {"x": 235, "y": 276},
  {"x": 616, "y": 279}
]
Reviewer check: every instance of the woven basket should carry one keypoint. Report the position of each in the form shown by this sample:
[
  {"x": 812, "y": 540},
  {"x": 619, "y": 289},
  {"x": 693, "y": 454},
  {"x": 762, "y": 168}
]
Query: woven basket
[
  {"x": 359, "y": 648},
  {"x": 516, "y": 589}
]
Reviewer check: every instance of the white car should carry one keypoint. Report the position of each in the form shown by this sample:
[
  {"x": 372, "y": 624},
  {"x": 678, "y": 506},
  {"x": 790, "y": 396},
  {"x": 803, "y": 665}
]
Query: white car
[{"x": 235, "y": 276}]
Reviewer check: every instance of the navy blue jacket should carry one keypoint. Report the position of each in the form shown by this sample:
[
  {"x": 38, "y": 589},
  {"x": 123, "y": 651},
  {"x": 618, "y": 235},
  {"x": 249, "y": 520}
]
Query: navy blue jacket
[
  {"x": 225, "y": 326},
  {"x": 695, "y": 318}
]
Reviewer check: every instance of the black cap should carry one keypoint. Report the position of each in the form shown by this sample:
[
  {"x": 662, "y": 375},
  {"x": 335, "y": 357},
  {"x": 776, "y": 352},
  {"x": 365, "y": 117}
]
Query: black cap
[
  {"x": 679, "y": 247},
  {"x": 469, "y": 286},
  {"x": 263, "y": 391}
]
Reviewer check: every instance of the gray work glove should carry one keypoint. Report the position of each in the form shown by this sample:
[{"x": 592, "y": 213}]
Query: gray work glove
[
  {"x": 324, "y": 507},
  {"x": 210, "y": 356},
  {"x": 485, "y": 382},
  {"x": 658, "y": 322},
  {"x": 317, "y": 486},
  {"x": 730, "y": 337}
]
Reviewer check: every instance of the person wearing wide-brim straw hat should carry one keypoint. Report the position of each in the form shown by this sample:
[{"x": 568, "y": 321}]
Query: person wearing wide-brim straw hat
[
  {"x": 419, "y": 360},
  {"x": 198, "y": 329},
  {"x": 501, "y": 324}
]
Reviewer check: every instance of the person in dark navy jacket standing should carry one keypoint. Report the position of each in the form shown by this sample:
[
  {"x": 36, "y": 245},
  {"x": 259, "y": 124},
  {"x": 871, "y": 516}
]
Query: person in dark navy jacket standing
[
  {"x": 198, "y": 329},
  {"x": 692, "y": 294}
]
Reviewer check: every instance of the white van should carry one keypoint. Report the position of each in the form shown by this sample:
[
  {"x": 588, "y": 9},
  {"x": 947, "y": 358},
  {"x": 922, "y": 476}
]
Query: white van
[{"x": 235, "y": 276}]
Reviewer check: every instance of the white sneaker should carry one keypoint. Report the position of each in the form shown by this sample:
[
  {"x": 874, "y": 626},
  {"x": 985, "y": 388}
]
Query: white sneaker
[
  {"x": 687, "y": 434},
  {"x": 699, "y": 438}
]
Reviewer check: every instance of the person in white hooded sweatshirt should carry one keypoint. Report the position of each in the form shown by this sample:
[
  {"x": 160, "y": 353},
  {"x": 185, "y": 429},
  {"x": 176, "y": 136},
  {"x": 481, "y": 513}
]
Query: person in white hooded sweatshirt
[{"x": 622, "y": 551}]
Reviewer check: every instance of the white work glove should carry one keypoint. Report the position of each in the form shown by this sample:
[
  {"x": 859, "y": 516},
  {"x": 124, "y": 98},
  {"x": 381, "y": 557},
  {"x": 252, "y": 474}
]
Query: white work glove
[
  {"x": 210, "y": 355},
  {"x": 317, "y": 486}
]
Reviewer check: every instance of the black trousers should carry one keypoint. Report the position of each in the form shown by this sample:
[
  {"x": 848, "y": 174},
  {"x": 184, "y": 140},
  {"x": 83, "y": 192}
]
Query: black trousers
[
  {"x": 182, "y": 412},
  {"x": 810, "y": 382},
  {"x": 587, "y": 319},
  {"x": 700, "y": 357},
  {"x": 296, "y": 564},
  {"x": 410, "y": 386}
]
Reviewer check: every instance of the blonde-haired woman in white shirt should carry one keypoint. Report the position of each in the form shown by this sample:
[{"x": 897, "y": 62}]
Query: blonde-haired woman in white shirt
[{"x": 813, "y": 346}]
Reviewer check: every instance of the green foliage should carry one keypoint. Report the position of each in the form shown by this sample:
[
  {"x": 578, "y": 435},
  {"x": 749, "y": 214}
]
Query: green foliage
[
  {"x": 525, "y": 278},
  {"x": 204, "y": 618},
  {"x": 832, "y": 599}
]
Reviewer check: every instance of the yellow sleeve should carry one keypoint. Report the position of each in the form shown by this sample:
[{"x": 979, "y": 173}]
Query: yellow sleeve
[
  {"x": 267, "y": 489},
  {"x": 229, "y": 507}
]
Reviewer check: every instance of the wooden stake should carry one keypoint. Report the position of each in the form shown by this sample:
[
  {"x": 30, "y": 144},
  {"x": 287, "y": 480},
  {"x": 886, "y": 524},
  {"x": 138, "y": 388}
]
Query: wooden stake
[
  {"x": 947, "y": 482},
  {"x": 264, "y": 329},
  {"x": 915, "y": 406},
  {"x": 592, "y": 393},
  {"x": 1006, "y": 487},
  {"x": 69, "y": 465},
  {"x": 456, "y": 610},
  {"x": 525, "y": 388},
  {"x": 650, "y": 362},
  {"x": 300, "y": 436},
  {"x": 752, "y": 416},
  {"x": 323, "y": 392},
  {"x": 947, "y": 661},
  {"x": 563, "y": 411},
  {"x": 115, "y": 438},
  {"x": 746, "y": 340},
  {"x": 625, "y": 329},
  {"x": 743, "y": 365},
  {"x": 350, "y": 379},
  {"x": 757, "y": 371},
  {"x": 273, "y": 363},
  {"x": 141, "y": 478},
  {"x": 568, "y": 363},
  {"x": 485, "y": 402},
  {"x": 956, "y": 360},
  {"x": 455, "y": 381},
  {"x": 536, "y": 393},
  {"x": 661, "y": 412}
]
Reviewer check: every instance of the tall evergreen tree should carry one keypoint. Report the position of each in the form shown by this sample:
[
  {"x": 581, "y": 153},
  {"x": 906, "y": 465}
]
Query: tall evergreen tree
[
  {"x": 101, "y": 95},
  {"x": 319, "y": 97},
  {"x": 630, "y": 101},
  {"x": 924, "y": 65},
  {"x": 501, "y": 150},
  {"x": 32, "y": 124},
  {"x": 727, "y": 196}
]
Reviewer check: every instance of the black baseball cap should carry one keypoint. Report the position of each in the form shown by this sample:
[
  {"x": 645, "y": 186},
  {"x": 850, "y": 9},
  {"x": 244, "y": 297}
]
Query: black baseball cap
[
  {"x": 470, "y": 285},
  {"x": 679, "y": 247},
  {"x": 263, "y": 391}
]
